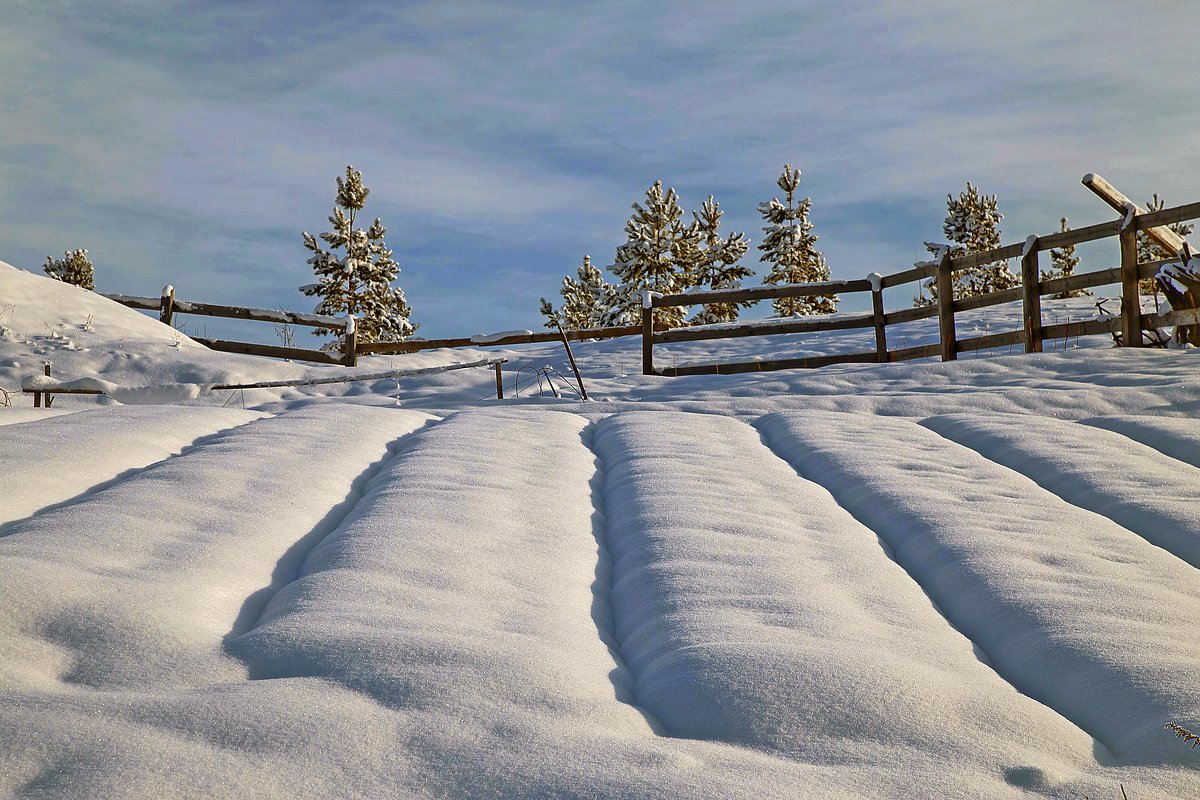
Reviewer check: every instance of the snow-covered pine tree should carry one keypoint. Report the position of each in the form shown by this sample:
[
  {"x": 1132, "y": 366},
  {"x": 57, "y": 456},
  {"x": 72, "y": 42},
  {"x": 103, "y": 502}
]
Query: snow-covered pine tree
[
  {"x": 973, "y": 224},
  {"x": 1063, "y": 262},
  {"x": 790, "y": 247},
  {"x": 358, "y": 280},
  {"x": 74, "y": 267},
  {"x": 716, "y": 264},
  {"x": 586, "y": 299},
  {"x": 657, "y": 256},
  {"x": 1150, "y": 250}
]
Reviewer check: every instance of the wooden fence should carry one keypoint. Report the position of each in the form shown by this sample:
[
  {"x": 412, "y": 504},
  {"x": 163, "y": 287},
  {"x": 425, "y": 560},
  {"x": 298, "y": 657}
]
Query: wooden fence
[
  {"x": 1129, "y": 324},
  {"x": 167, "y": 306}
]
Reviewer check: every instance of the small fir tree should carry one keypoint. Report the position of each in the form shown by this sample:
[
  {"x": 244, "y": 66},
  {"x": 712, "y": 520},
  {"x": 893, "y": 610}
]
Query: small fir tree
[
  {"x": 658, "y": 255},
  {"x": 716, "y": 263},
  {"x": 972, "y": 225},
  {"x": 1150, "y": 250},
  {"x": 357, "y": 269},
  {"x": 587, "y": 299},
  {"x": 74, "y": 267},
  {"x": 790, "y": 247},
  {"x": 1063, "y": 262}
]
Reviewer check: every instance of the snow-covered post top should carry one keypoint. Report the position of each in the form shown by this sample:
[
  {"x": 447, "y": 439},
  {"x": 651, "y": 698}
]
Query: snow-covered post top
[
  {"x": 1131, "y": 211},
  {"x": 166, "y": 304},
  {"x": 648, "y": 298},
  {"x": 350, "y": 342},
  {"x": 876, "y": 281}
]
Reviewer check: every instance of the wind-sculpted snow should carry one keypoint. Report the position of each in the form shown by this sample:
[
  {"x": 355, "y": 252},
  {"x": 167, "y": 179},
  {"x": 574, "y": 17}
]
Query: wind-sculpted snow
[
  {"x": 136, "y": 585},
  {"x": 1132, "y": 484},
  {"x": 1074, "y": 610},
  {"x": 753, "y": 609},
  {"x": 1177, "y": 437},
  {"x": 52, "y": 460}
]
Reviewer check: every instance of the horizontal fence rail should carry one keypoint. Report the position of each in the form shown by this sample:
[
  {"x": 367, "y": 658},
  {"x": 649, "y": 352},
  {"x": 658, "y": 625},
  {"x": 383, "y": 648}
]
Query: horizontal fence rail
[
  {"x": 1127, "y": 327},
  {"x": 167, "y": 306}
]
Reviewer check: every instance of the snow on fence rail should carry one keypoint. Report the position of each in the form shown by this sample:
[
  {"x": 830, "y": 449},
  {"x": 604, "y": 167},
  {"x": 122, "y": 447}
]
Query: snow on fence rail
[
  {"x": 1128, "y": 326},
  {"x": 40, "y": 385},
  {"x": 167, "y": 306},
  {"x": 513, "y": 337}
]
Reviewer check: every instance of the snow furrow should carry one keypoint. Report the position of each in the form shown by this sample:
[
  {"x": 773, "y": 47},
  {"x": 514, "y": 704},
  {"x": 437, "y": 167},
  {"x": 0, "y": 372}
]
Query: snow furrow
[
  {"x": 1070, "y": 608},
  {"x": 1177, "y": 437},
  {"x": 137, "y": 585},
  {"x": 54, "y": 461},
  {"x": 753, "y": 610},
  {"x": 1135, "y": 486}
]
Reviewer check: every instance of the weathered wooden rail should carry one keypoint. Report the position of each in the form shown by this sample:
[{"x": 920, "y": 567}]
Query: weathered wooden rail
[
  {"x": 1129, "y": 324},
  {"x": 167, "y": 306}
]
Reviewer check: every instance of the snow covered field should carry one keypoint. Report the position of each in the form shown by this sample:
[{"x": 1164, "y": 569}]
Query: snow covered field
[{"x": 962, "y": 580}]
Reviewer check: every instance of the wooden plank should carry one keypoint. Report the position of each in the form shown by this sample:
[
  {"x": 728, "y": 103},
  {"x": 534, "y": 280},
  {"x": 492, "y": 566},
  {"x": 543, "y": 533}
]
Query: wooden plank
[
  {"x": 1089, "y": 327},
  {"x": 1167, "y": 216},
  {"x": 910, "y": 314},
  {"x": 765, "y": 328},
  {"x": 269, "y": 350},
  {"x": 878, "y": 318},
  {"x": 1131, "y": 311},
  {"x": 1084, "y": 280},
  {"x": 37, "y": 399},
  {"x": 417, "y": 345},
  {"x": 945, "y": 306},
  {"x": 920, "y": 351},
  {"x": 1003, "y": 253},
  {"x": 260, "y": 315},
  {"x": 1031, "y": 298},
  {"x": 991, "y": 340},
  {"x": 1101, "y": 230},
  {"x": 134, "y": 301},
  {"x": 918, "y": 273},
  {"x": 761, "y": 293},
  {"x": 731, "y": 368},
  {"x": 648, "y": 336},
  {"x": 1109, "y": 194},
  {"x": 991, "y": 299},
  {"x": 1187, "y": 316},
  {"x": 364, "y": 376}
]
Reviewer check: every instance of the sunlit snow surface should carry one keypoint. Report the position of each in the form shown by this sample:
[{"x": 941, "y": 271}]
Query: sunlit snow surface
[{"x": 964, "y": 580}]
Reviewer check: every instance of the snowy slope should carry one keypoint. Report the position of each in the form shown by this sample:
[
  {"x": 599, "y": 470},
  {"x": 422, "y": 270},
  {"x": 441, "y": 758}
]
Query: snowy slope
[{"x": 964, "y": 580}]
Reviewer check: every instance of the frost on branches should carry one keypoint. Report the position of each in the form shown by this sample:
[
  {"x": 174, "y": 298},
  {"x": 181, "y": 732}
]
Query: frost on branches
[
  {"x": 790, "y": 246},
  {"x": 74, "y": 267},
  {"x": 714, "y": 264},
  {"x": 1150, "y": 250},
  {"x": 1063, "y": 262},
  {"x": 357, "y": 269},
  {"x": 659, "y": 255},
  {"x": 587, "y": 300},
  {"x": 972, "y": 225}
]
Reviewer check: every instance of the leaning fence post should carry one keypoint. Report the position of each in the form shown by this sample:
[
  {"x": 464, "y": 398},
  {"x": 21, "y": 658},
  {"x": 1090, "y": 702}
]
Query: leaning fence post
[
  {"x": 1131, "y": 301},
  {"x": 350, "y": 342},
  {"x": 945, "y": 290},
  {"x": 648, "y": 333},
  {"x": 1031, "y": 296},
  {"x": 881, "y": 352},
  {"x": 166, "y": 305}
]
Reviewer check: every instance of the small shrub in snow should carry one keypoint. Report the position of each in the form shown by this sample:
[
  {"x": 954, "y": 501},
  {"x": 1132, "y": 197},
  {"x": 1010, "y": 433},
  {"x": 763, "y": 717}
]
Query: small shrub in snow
[
  {"x": 74, "y": 267},
  {"x": 357, "y": 269},
  {"x": 790, "y": 247}
]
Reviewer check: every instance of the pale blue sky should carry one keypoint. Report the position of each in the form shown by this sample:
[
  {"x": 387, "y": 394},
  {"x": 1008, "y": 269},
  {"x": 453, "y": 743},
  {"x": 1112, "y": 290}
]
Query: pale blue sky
[{"x": 192, "y": 142}]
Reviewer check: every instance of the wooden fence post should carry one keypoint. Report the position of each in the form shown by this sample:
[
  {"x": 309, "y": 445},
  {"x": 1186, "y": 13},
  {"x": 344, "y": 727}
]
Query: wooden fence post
[
  {"x": 1031, "y": 296},
  {"x": 499, "y": 383},
  {"x": 945, "y": 290},
  {"x": 350, "y": 342},
  {"x": 166, "y": 305},
  {"x": 1131, "y": 301},
  {"x": 647, "y": 333},
  {"x": 881, "y": 351}
]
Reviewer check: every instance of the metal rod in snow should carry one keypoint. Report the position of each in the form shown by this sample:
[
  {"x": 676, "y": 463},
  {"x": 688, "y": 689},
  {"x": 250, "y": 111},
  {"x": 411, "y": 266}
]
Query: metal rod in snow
[{"x": 571, "y": 357}]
